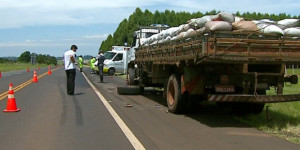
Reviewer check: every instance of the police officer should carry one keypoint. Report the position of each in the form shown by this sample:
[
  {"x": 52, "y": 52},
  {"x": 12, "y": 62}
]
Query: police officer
[
  {"x": 80, "y": 60},
  {"x": 101, "y": 65},
  {"x": 92, "y": 61}
]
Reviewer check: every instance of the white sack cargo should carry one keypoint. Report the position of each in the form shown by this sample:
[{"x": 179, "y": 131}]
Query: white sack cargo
[
  {"x": 200, "y": 31},
  {"x": 237, "y": 19},
  {"x": 184, "y": 28},
  {"x": 180, "y": 36},
  {"x": 172, "y": 31},
  {"x": 267, "y": 21},
  {"x": 203, "y": 20},
  {"x": 224, "y": 16},
  {"x": 244, "y": 26},
  {"x": 218, "y": 26},
  {"x": 189, "y": 33},
  {"x": 288, "y": 23},
  {"x": 193, "y": 23},
  {"x": 272, "y": 29},
  {"x": 295, "y": 32}
]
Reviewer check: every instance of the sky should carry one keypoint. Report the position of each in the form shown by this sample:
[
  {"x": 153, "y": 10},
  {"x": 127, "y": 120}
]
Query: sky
[{"x": 50, "y": 27}]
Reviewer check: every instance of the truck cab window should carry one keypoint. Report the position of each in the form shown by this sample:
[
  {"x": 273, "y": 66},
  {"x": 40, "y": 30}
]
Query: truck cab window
[
  {"x": 134, "y": 41},
  {"x": 118, "y": 57}
]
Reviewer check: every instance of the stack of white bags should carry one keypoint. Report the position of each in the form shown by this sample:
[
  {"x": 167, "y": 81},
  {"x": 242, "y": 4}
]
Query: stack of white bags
[{"x": 225, "y": 22}]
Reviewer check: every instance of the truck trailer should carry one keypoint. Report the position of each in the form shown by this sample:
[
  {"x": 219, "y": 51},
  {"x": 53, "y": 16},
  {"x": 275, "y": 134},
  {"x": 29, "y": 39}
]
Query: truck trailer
[{"x": 229, "y": 68}]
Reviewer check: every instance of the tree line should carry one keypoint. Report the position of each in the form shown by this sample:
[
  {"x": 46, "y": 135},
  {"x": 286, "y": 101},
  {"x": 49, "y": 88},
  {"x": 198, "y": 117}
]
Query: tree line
[
  {"x": 27, "y": 57},
  {"x": 124, "y": 32}
]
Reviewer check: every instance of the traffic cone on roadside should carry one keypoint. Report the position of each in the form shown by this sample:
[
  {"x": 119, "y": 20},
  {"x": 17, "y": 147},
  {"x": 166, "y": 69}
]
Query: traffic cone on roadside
[
  {"x": 27, "y": 69},
  {"x": 0, "y": 74},
  {"x": 49, "y": 70},
  {"x": 34, "y": 79},
  {"x": 11, "y": 101}
]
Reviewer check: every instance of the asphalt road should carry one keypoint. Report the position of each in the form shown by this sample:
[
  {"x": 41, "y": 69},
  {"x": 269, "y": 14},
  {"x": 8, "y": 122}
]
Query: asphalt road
[{"x": 51, "y": 119}]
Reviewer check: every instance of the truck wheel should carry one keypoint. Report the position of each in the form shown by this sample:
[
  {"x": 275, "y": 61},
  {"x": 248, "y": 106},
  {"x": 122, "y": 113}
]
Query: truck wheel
[
  {"x": 111, "y": 71},
  {"x": 130, "y": 76},
  {"x": 174, "y": 97}
]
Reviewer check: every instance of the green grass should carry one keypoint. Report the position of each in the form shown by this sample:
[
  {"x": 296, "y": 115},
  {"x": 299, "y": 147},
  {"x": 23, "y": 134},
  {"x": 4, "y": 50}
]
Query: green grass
[
  {"x": 4, "y": 67},
  {"x": 284, "y": 117}
]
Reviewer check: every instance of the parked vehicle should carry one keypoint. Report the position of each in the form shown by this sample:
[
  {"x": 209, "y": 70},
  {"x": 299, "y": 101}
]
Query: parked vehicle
[
  {"x": 116, "y": 60},
  {"x": 229, "y": 68}
]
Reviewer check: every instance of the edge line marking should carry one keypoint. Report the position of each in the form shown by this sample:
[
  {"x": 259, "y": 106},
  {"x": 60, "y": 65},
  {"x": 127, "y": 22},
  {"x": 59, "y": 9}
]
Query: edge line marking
[{"x": 128, "y": 133}]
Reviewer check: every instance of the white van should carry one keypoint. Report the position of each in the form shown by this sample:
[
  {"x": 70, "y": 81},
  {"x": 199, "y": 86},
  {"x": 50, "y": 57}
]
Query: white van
[{"x": 116, "y": 60}]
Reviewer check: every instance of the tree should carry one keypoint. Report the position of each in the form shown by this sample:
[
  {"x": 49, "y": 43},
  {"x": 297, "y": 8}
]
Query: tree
[{"x": 25, "y": 57}]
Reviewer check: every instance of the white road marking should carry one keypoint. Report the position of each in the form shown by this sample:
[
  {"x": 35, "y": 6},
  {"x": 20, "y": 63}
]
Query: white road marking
[{"x": 128, "y": 133}]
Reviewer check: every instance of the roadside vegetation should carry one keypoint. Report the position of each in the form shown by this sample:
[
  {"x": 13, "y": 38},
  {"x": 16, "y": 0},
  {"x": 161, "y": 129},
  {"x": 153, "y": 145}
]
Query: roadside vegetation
[
  {"x": 26, "y": 60},
  {"x": 281, "y": 119},
  {"x": 4, "y": 67}
]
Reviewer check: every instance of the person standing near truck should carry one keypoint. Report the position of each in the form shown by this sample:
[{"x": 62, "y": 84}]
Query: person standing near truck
[
  {"x": 80, "y": 60},
  {"x": 69, "y": 60},
  {"x": 100, "y": 64},
  {"x": 92, "y": 61}
]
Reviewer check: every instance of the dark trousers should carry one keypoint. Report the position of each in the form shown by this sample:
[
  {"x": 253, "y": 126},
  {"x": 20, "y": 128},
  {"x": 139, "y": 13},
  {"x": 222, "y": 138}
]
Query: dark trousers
[
  {"x": 101, "y": 72},
  {"x": 71, "y": 73}
]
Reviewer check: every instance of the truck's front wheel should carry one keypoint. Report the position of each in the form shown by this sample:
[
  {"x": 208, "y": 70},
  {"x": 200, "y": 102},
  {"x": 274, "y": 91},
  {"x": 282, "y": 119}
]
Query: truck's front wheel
[
  {"x": 174, "y": 96},
  {"x": 131, "y": 76}
]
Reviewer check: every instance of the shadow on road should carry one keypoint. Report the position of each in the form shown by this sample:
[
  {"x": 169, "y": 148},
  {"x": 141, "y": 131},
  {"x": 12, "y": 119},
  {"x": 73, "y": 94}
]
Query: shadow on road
[
  {"x": 206, "y": 113},
  {"x": 212, "y": 115}
]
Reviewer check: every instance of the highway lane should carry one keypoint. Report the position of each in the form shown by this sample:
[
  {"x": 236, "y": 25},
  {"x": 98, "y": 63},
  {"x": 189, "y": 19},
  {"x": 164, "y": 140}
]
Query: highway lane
[
  {"x": 210, "y": 128},
  {"x": 50, "y": 119}
]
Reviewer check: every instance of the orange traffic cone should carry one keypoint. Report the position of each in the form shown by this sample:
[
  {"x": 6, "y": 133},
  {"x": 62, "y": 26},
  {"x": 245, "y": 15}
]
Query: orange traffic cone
[
  {"x": 34, "y": 79},
  {"x": 49, "y": 70},
  {"x": 27, "y": 69},
  {"x": 11, "y": 101},
  {"x": 0, "y": 74}
]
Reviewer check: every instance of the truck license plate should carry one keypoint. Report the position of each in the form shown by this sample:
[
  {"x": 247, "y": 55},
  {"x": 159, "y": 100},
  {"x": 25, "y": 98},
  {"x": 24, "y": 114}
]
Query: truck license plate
[{"x": 225, "y": 88}]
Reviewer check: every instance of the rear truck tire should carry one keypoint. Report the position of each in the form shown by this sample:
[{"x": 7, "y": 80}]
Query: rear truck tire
[
  {"x": 128, "y": 90},
  {"x": 130, "y": 77},
  {"x": 111, "y": 71},
  {"x": 174, "y": 96}
]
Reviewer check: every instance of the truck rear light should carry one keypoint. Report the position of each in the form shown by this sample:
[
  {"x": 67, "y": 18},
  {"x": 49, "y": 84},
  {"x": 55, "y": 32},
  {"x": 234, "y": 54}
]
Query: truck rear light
[{"x": 224, "y": 79}]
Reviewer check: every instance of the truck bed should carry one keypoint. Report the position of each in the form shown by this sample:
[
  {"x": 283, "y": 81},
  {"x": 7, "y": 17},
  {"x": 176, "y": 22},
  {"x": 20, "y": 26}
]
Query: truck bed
[{"x": 224, "y": 47}]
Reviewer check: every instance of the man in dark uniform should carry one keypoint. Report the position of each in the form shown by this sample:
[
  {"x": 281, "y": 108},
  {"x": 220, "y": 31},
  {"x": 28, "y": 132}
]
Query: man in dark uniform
[{"x": 101, "y": 65}]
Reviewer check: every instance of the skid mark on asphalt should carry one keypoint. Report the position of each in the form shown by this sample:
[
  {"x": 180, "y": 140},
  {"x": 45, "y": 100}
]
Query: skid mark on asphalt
[
  {"x": 63, "y": 117},
  {"x": 78, "y": 112}
]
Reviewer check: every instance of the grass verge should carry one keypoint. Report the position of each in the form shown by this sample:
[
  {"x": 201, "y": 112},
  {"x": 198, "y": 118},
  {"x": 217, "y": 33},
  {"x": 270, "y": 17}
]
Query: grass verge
[{"x": 4, "y": 67}]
